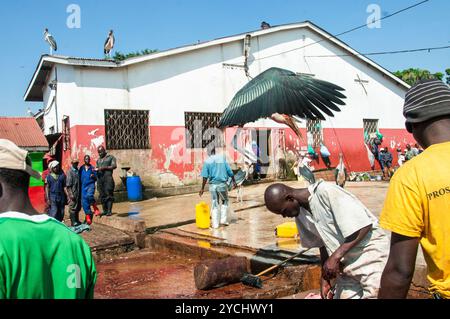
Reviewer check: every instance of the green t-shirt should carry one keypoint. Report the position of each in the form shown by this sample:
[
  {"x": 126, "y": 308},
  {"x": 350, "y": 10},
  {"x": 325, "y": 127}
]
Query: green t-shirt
[{"x": 41, "y": 258}]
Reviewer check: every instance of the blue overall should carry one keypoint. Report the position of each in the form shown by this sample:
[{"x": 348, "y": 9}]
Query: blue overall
[
  {"x": 87, "y": 188},
  {"x": 57, "y": 196}
]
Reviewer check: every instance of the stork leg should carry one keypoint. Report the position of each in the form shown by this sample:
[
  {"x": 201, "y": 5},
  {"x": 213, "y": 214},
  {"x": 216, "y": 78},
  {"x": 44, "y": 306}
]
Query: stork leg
[{"x": 239, "y": 194}]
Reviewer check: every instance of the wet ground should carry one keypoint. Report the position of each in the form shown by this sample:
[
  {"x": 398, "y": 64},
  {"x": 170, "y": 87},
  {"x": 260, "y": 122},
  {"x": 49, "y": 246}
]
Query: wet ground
[{"x": 161, "y": 275}]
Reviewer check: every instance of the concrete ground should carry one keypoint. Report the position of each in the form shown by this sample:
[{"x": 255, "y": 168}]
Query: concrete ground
[{"x": 253, "y": 227}]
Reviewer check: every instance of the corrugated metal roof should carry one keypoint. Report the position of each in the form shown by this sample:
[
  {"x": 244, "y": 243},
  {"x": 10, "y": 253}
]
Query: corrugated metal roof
[{"x": 24, "y": 131}]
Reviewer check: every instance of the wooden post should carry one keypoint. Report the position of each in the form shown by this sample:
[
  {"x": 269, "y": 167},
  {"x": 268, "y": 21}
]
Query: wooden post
[{"x": 211, "y": 273}]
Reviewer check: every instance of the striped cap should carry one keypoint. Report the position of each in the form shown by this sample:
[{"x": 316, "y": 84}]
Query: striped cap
[{"x": 426, "y": 100}]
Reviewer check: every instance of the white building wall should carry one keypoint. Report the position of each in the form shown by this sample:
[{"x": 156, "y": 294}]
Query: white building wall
[{"x": 198, "y": 81}]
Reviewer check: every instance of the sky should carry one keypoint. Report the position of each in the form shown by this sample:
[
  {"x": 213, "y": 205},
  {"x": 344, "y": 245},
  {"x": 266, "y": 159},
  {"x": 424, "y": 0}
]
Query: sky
[{"x": 140, "y": 24}]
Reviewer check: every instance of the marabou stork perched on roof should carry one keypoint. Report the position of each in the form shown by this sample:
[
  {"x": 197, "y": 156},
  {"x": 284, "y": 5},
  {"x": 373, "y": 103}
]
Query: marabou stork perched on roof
[
  {"x": 50, "y": 40},
  {"x": 109, "y": 43},
  {"x": 282, "y": 95}
]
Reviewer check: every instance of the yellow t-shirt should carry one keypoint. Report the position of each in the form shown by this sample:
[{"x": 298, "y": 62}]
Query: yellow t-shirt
[{"x": 418, "y": 205}]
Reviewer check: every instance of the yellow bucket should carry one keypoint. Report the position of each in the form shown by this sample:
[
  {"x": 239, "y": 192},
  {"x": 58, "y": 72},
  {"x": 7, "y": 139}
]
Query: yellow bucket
[
  {"x": 202, "y": 219},
  {"x": 287, "y": 230}
]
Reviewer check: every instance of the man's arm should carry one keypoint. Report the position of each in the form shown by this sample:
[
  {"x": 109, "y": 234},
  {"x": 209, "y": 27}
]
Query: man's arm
[
  {"x": 65, "y": 187},
  {"x": 47, "y": 195},
  {"x": 399, "y": 270},
  {"x": 203, "y": 186},
  {"x": 230, "y": 174},
  {"x": 325, "y": 285},
  {"x": 112, "y": 167},
  {"x": 331, "y": 266}
]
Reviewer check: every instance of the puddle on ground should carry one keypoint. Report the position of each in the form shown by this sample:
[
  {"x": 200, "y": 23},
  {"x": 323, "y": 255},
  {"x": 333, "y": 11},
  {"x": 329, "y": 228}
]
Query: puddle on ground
[{"x": 134, "y": 212}]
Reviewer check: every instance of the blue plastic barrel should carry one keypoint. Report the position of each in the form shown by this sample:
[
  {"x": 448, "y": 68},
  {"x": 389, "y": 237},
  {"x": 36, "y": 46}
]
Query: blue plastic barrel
[{"x": 134, "y": 188}]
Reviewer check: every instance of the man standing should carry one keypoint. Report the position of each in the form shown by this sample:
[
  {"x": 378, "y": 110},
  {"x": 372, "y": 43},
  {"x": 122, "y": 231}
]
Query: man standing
[
  {"x": 88, "y": 176},
  {"x": 386, "y": 161},
  {"x": 352, "y": 246},
  {"x": 257, "y": 164},
  {"x": 40, "y": 258},
  {"x": 409, "y": 153},
  {"x": 417, "y": 205},
  {"x": 106, "y": 164},
  {"x": 376, "y": 152},
  {"x": 216, "y": 171},
  {"x": 47, "y": 160},
  {"x": 56, "y": 192},
  {"x": 74, "y": 191}
]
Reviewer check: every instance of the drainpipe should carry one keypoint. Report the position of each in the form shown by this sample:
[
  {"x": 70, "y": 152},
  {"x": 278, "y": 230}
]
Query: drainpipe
[
  {"x": 247, "y": 47},
  {"x": 53, "y": 85}
]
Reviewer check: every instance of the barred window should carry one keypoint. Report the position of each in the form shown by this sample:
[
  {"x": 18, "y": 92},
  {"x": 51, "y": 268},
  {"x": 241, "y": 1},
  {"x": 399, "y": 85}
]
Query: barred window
[
  {"x": 370, "y": 129},
  {"x": 127, "y": 129},
  {"x": 198, "y": 128},
  {"x": 314, "y": 131}
]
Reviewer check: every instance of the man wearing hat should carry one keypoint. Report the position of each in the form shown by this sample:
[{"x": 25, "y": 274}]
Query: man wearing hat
[
  {"x": 47, "y": 160},
  {"x": 56, "y": 191},
  {"x": 74, "y": 192},
  {"x": 417, "y": 206},
  {"x": 40, "y": 258}
]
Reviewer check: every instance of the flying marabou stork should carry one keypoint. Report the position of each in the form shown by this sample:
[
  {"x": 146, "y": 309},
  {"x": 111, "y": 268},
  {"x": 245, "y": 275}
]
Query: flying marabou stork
[
  {"x": 51, "y": 41},
  {"x": 280, "y": 95},
  {"x": 109, "y": 43}
]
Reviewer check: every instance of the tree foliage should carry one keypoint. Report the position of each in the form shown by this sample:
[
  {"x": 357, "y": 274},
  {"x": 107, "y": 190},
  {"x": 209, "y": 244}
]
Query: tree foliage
[
  {"x": 414, "y": 75},
  {"x": 119, "y": 56},
  {"x": 448, "y": 76}
]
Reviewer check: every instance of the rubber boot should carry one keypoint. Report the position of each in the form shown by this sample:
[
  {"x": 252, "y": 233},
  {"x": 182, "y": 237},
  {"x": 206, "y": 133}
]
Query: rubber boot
[
  {"x": 215, "y": 218},
  {"x": 96, "y": 210},
  {"x": 109, "y": 205},
  {"x": 74, "y": 220},
  {"x": 77, "y": 218},
  {"x": 224, "y": 215},
  {"x": 89, "y": 219}
]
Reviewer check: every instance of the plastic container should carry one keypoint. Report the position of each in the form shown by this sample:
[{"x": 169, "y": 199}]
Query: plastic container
[
  {"x": 202, "y": 216},
  {"x": 134, "y": 188},
  {"x": 287, "y": 230}
]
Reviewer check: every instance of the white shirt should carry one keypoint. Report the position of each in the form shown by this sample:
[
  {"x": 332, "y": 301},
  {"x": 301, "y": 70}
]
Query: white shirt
[
  {"x": 309, "y": 236},
  {"x": 335, "y": 215}
]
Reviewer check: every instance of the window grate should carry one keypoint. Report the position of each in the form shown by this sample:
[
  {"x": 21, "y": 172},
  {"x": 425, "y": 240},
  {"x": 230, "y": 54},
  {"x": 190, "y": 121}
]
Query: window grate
[
  {"x": 370, "y": 129},
  {"x": 127, "y": 129},
  {"x": 201, "y": 128},
  {"x": 314, "y": 131}
]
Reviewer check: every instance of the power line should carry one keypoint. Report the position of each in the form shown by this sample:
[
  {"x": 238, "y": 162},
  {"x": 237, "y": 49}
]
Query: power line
[
  {"x": 385, "y": 17},
  {"x": 345, "y": 32},
  {"x": 378, "y": 53}
]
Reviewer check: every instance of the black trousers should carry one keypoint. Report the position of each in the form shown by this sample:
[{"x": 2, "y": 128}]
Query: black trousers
[
  {"x": 74, "y": 210},
  {"x": 105, "y": 185}
]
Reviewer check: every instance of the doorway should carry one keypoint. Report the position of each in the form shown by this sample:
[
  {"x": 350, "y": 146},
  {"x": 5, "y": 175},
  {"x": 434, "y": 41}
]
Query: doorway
[{"x": 262, "y": 139}]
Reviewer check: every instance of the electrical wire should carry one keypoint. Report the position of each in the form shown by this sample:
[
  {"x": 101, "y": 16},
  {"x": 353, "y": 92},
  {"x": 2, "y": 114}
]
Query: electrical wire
[
  {"x": 345, "y": 32},
  {"x": 379, "y": 53}
]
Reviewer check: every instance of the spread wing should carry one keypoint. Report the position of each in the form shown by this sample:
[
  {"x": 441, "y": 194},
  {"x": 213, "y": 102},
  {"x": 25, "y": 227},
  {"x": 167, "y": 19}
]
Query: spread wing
[{"x": 282, "y": 91}]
